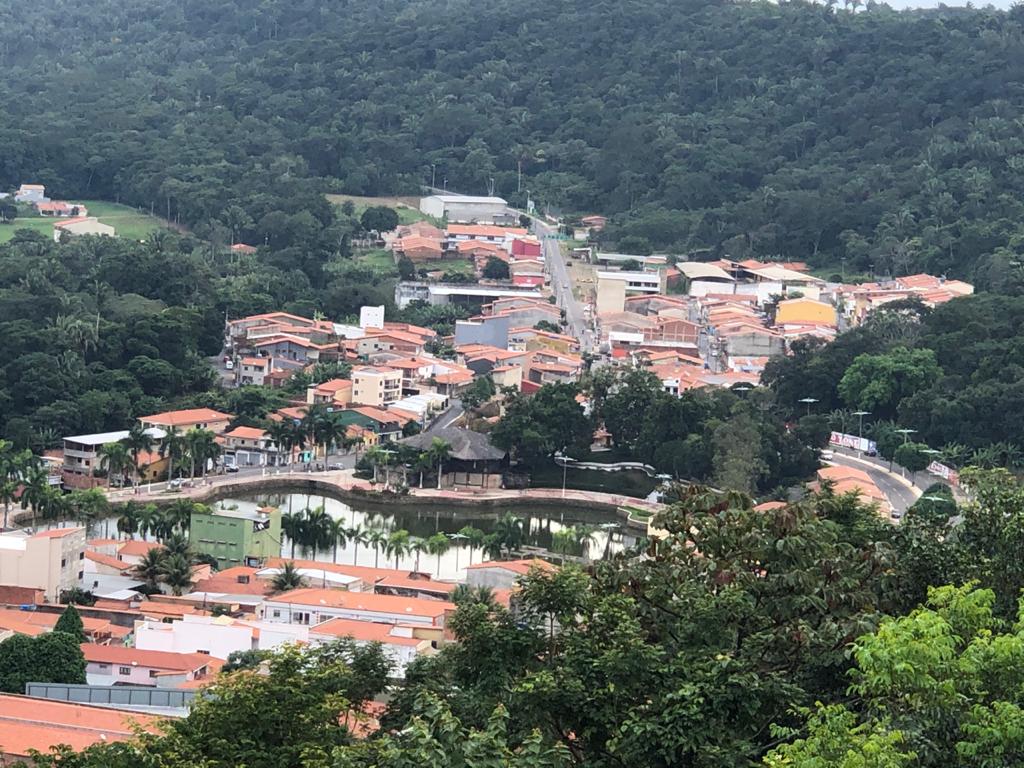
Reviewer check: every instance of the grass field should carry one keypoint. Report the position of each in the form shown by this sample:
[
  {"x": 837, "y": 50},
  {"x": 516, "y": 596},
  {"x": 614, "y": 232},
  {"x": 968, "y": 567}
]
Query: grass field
[
  {"x": 407, "y": 207},
  {"x": 462, "y": 266},
  {"x": 127, "y": 221},
  {"x": 378, "y": 259}
]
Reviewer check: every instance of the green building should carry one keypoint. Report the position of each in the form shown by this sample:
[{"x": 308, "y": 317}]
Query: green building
[{"x": 237, "y": 537}]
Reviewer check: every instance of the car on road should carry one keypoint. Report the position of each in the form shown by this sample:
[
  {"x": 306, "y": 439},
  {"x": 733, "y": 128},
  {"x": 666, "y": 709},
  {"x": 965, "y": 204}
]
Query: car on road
[
  {"x": 827, "y": 455},
  {"x": 229, "y": 365},
  {"x": 231, "y": 468}
]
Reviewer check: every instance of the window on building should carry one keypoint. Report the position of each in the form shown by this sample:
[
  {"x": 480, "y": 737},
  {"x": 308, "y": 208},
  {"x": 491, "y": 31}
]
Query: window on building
[
  {"x": 203, "y": 651},
  {"x": 277, "y": 614},
  {"x": 104, "y": 667},
  {"x": 81, "y": 555},
  {"x": 63, "y": 562},
  {"x": 124, "y": 670},
  {"x": 152, "y": 673},
  {"x": 80, "y": 575}
]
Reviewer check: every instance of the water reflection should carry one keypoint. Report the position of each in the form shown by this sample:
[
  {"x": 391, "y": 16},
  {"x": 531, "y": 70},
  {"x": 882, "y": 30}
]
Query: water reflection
[{"x": 608, "y": 533}]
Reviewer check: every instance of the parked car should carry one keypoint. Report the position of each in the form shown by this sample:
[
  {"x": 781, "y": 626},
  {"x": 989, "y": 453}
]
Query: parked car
[
  {"x": 230, "y": 365},
  {"x": 827, "y": 455},
  {"x": 230, "y": 468},
  {"x": 334, "y": 467}
]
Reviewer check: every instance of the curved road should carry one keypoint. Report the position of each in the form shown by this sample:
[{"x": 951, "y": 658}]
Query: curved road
[{"x": 899, "y": 491}]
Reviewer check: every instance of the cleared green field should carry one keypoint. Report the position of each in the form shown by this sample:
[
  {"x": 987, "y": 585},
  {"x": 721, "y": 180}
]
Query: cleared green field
[
  {"x": 407, "y": 207},
  {"x": 378, "y": 259},
  {"x": 128, "y": 222}
]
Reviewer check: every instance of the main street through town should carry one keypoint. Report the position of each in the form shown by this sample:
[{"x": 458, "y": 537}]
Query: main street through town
[{"x": 561, "y": 286}]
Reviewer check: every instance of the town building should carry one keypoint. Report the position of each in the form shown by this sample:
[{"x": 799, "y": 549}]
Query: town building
[
  {"x": 52, "y": 561},
  {"x": 82, "y": 225},
  {"x": 250, "y": 447},
  {"x": 31, "y": 194},
  {"x": 473, "y": 460},
  {"x": 29, "y": 725},
  {"x": 216, "y": 636},
  {"x": 466, "y": 208},
  {"x": 193, "y": 418},
  {"x": 235, "y": 536},
  {"x": 613, "y": 287},
  {"x": 81, "y": 464},
  {"x": 117, "y": 665},
  {"x": 401, "y": 643},
  {"x": 503, "y": 574},
  {"x": 376, "y": 386},
  {"x": 310, "y": 607}
]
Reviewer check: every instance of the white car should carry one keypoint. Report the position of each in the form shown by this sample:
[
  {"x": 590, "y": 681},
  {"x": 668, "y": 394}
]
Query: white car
[
  {"x": 827, "y": 455},
  {"x": 229, "y": 365}
]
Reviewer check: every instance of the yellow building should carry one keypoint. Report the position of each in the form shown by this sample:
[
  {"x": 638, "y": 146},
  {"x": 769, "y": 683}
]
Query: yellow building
[
  {"x": 52, "y": 561},
  {"x": 377, "y": 386},
  {"x": 804, "y": 311}
]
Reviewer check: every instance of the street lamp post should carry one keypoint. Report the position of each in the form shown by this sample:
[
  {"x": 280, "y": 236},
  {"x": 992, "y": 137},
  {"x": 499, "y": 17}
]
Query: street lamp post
[
  {"x": 808, "y": 401},
  {"x": 456, "y": 537},
  {"x": 565, "y": 468},
  {"x": 860, "y": 428}
]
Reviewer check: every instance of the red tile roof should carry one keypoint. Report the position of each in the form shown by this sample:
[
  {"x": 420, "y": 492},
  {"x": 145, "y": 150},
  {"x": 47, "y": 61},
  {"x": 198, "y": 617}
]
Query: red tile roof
[
  {"x": 363, "y": 631},
  {"x": 364, "y": 601},
  {"x": 522, "y": 567},
  {"x": 28, "y": 724},
  {"x": 186, "y": 417},
  {"x": 57, "y": 533},
  {"x": 176, "y": 662},
  {"x": 246, "y": 433}
]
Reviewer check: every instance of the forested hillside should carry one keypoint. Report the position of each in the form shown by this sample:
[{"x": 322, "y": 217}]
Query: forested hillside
[{"x": 884, "y": 141}]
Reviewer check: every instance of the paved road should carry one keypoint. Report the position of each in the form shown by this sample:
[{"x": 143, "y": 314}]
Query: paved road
[
  {"x": 900, "y": 495},
  {"x": 562, "y": 287}
]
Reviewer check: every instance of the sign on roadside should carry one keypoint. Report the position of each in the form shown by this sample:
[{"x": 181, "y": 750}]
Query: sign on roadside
[{"x": 844, "y": 440}]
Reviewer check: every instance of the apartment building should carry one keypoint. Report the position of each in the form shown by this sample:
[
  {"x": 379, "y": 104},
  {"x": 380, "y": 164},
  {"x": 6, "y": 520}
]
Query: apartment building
[
  {"x": 53, "y": 561},
  {"x": 376, "y": 386}
]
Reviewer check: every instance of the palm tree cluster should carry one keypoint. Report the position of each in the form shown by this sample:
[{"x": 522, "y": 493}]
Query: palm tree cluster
[
  {"x": 313, "y": 530},
  {"x": 319, "y": 428},
  {"x": 170, "y": 564},
  {"x": 193, "y": 449},
  {"x": 411, "y": 459},
  {"x": 17, "y": 470}
]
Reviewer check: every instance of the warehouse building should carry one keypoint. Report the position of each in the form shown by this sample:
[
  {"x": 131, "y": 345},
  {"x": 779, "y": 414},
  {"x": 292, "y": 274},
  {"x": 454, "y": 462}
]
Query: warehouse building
[{"x": 464, "y": 208}]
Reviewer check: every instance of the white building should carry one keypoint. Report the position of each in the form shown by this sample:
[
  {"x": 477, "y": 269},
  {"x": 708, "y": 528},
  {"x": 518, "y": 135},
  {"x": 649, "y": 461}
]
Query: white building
[
  {"x": 218, "y": 637},
  {"x": 31, "y": 193},
  {"x": 309, "y": 607},
  {"x": 466, "y": 208},
  {"x": 503, "y": 574},
  {"x": 83, "y": 225},
  {"x": 400, "y": 642},
  {"x": 52, "y": 561}
]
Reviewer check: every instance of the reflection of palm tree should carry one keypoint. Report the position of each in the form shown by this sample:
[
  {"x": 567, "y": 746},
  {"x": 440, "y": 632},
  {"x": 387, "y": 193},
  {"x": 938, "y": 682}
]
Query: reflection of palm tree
[
  {"x": 474, "y": 538},
  {"x": 338, "y": 535},
  {"x": 584, "y": 536},
  {"x": 398, "y": 545},
  {"x": 438, "y": 544},
  {"x": 508, "y": 532},
  {"x": 316, "y": 530},
  {"x": 357, "y": 535},
  {"x": 291, "y": 524},
  {"x": 377, "y": 539},
  {"x": 417, "y": 546}
]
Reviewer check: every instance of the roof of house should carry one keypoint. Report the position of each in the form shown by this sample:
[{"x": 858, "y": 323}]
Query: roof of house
[
  {"x": 187, "y": 416},
  {"x": 332, "y": 386},
  {"x": 38, "y": 724},
  {"x": 246, "y": 433},
  {"x": 363, "y": 631},
  {"x": 463, "y": 444},
  {"x": 256, "y": 361},
  {"x": 113, "y": 654},
  {"x": 364, "y": 601},
  {"x": 39, "y": 622},
  {"x": 481, "y": 230},
  {"x": 379, "y": 415},
  {"x": 405, "y": 581},
  {"x": 138, "y": 547},
  {"x": 108, "y": 560},
  {"x": 57, "y": 533},
  {"x": 521, "y": 567},
  {"x": 410, "y": 242}
]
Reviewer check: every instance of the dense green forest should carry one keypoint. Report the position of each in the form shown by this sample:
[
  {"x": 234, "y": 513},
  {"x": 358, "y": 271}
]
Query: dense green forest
[{"x": 890, "y": 141}]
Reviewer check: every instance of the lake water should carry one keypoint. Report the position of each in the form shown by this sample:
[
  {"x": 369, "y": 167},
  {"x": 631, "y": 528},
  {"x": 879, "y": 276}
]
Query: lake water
[{"x": 539, "y": 524}]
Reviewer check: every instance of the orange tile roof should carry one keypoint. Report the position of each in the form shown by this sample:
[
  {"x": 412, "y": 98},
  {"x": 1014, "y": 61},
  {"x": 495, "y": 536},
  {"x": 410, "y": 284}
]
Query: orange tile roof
[
  {"x": 255, "y": 361},
  {"x": 522, "y": 567},
  {"x": 227, "y": 582},
  {"x": 28, "y": 724},
  {"x": 108, "y": 560},
  {"x": 363, "y": 631},
  {"x": 769, "y": 505},
  {"x": 35, "y": 623},
  {"x": 246, "y": 433},
  {"x": 113, "y": 654},
  {"x": 334, "y": 385},
  {"x": 379, "y": 415},
  {"x": 56, "y": 533},
  {"x": 399, "y": 581},
  {"x": 367, "y": 574},
  {"x": 138, "y": 547},
  {"x": 479, "y": 230},
  {"x": 454, "y": 377},
  {"x": 185, "y": 417},
  {"x": 364, "y": 601}
]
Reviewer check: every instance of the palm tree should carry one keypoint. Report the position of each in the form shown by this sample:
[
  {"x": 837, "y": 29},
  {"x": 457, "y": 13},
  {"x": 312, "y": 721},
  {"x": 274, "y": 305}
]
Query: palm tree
[
  {"x": 172, "y": 446},
  {"x": 202, "y": 447},
  {"x": 36, "y": 484},
  {"x": 179, "y": 514},
  {"x": 439, "y": 452},
  {"x": 376, "y": 456},
  {"x": 398, "y": 545},
  {"x": 328, "y": 431},
  {"x": 288, "y": 578},
  {"x": 115, "y": 459},
  {"x": 128, "y": 522},
  {"x": 87, "y": 506},
  {"x": 148, "y": 568},
  {"x": 377, "y": 539},
  {"x": 13, "y": 466},
  {"x": 438, "y": 544},
  {"x": 138, "y": 441},
  {"x": 463, "y": 594},
  {"x": 177, "y": 544},
  {"x": 292, "y": 525},
  {"x": 357, "y": 535},
  {"x": 176, "y": 572},
  {"x": 281, "y": 434},
  {"x": 338, "y": 535}
]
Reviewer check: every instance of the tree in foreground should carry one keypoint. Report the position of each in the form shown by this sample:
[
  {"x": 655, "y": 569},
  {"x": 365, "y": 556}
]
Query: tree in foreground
[{"x": 71, "y": 622}]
